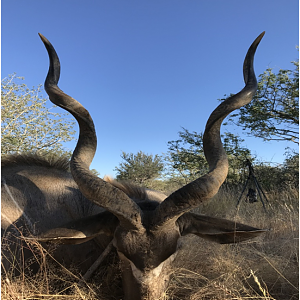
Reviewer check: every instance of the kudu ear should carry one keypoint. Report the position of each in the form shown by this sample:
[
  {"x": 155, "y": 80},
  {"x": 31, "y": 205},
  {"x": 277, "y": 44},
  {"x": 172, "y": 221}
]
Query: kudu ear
[
  {"x": 215, "y": 229},
  {"x": 80, "y": 231}
]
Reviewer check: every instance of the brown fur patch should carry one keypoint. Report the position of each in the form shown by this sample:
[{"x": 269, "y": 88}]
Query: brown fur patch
[
  {"x": 130, "y": 189},
  {"x": 136, "y": 192}
]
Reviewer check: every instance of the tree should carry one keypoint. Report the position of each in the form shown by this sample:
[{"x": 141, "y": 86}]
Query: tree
[
  {"x": 27, "y": 123},
  {"x": 273, "y": 114},
  {"x": 281, "y": 177},
  {"x": 139, "y": 167},
  {"x": 186, "y": 158},
  {"x": 291, "y": 168}
]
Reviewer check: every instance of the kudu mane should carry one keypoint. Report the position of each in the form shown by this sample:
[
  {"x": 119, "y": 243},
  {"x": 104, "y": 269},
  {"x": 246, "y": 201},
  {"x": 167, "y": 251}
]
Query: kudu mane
[
  {"x": 35, "y": 159},
  {"x": 135, "y": 192}
]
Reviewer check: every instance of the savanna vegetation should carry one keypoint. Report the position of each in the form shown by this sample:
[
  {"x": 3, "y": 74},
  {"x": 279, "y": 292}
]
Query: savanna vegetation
[
  {"x": 263, "y": 268},
  {"x": 28, "y": 123}
]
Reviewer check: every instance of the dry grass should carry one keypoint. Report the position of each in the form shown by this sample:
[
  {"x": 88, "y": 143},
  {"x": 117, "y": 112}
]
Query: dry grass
[{"x": 264, "y": 268}]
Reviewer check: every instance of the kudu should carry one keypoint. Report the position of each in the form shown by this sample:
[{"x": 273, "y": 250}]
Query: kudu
[
  {"x": 38, "y": 193},
  {"x": 146, "y": 228}
]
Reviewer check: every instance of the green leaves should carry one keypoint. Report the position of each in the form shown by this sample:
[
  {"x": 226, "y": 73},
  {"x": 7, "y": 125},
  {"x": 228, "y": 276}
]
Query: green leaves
[
  {"x": 27, "y": 123},
  {"x": 139, "y": 168},
  {"x": 186, "y": 157},
  {"x": 273, "y": 114}
]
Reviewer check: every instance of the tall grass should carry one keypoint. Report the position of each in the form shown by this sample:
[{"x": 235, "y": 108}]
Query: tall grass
[{"x": 263, "y": 268}]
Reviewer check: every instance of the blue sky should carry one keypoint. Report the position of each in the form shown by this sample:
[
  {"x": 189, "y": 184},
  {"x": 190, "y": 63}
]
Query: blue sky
[{"x": 144, "y": 69}]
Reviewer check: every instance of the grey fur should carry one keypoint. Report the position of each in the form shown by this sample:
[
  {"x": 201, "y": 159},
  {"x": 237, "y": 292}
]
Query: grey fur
[{"x": 145, "y": 226}]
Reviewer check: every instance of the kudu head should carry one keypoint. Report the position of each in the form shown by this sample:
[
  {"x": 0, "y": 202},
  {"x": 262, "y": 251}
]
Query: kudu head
[{"x": 146, "y": 233}]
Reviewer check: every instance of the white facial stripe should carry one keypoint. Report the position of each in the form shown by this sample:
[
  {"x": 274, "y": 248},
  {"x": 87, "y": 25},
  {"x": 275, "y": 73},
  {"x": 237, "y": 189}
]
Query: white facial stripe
[
  {"x": 149, "y": 275},
  {"x": 27, "y": 219}
]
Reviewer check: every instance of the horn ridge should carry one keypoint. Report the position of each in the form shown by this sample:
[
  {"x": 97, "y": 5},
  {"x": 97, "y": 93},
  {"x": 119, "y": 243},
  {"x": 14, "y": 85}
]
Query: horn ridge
[
  {"x": 92, "y": 187},
  {"x": 54, "y": 66},
  {"x": 87, "y": 135},
  {"x": 205, "y": 187},
  {"x": 248, "y": 69}
]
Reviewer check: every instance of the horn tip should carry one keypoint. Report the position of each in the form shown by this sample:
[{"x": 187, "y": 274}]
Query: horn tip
[
  {"x": 44, "y": 40},
  {"x": 258, "y": 39}
]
